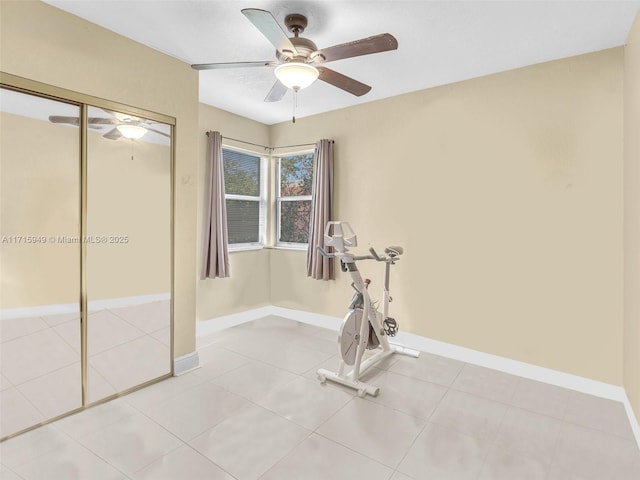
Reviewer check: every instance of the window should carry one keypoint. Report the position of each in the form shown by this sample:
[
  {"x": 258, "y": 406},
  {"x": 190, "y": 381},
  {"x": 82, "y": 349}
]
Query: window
[
  {"x": 244, "y": 183},
  {"x": 295, "y": 179}
]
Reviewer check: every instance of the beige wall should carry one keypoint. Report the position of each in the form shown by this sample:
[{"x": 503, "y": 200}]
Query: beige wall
[
  {"x": 43, "y": 43},
  {"x": 33, "y": 177},
  {"x": 248, "y": 287},
  {"x": 128, "y": 194},
  {"x": 632, "y": 217},
  {"x": 40, "y": 197},
  {"x": 506, "y": 192}
]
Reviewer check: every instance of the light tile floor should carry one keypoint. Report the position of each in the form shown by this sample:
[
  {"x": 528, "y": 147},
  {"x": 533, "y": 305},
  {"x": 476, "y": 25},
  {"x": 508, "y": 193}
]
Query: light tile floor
[
  {"x": 255, "y": 411},
  {"x": 40, "y": 374}
]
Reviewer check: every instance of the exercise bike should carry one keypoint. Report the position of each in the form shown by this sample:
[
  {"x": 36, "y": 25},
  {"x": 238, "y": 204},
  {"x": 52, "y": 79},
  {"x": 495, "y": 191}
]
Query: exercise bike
[{"x": 357, "y": 336}]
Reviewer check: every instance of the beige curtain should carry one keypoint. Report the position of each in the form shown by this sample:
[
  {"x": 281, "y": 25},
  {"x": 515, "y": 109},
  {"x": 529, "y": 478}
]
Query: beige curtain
[
  {"x": 319, "y": 267},
  {"x": 215, "y": 252}
]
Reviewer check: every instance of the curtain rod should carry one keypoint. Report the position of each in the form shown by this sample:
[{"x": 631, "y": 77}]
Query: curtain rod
[
  {"x": 269, "y": 148},
  {"x": 248, "y": 143},
  {"x": 292, "y": 146}
]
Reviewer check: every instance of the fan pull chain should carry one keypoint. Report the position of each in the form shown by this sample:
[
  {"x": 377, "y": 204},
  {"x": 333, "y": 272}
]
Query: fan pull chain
[{"x": 295, "y": 104}]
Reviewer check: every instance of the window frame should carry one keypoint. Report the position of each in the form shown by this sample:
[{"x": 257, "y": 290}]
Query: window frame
[
  {"x": 261, "y": 199},
  {"x": 293, "y": 198}
]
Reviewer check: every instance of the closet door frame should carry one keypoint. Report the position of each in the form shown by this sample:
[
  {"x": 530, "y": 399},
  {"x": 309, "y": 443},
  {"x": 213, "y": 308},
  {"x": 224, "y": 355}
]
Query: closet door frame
[{"x": 83, "y": 101}]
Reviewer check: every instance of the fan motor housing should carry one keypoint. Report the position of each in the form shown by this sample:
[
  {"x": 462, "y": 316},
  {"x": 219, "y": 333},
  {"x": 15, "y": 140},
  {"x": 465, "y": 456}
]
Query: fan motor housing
[
  {"x": 296, "y": 23},
  {"x": 305, "y": 48}
]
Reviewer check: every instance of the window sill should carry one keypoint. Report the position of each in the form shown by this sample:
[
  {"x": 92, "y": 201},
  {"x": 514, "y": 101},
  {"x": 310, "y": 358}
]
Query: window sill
[
  {"x": 303, "y": 247},
  {"x": 245, "y": 247}
]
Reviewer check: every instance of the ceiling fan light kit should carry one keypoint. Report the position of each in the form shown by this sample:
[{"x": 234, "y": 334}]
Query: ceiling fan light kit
[
  {"x": 122, "y": 125},
  {"x": 133, "y": 132},
  {"x": 299, "y": 59},
  {"x": 296, "y": 75}
]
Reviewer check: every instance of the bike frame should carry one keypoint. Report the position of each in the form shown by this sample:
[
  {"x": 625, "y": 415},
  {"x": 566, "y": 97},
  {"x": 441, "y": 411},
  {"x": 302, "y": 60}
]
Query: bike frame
[{"x": 370, "y": 314}]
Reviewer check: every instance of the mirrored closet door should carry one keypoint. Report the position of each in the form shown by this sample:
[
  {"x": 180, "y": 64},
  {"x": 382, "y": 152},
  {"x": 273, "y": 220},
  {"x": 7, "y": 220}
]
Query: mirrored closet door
[
  {"x": 85, "y": 253},
  {"x": 40, "y": 369},
  {"x": 128, "y": 251}
]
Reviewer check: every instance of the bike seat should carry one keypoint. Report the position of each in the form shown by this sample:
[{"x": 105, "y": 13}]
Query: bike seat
[{"x": 394, "y": 251}]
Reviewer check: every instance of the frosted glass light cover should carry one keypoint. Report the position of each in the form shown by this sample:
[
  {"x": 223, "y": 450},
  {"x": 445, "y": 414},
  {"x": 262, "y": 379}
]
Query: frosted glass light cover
[
  {"x": 296, "y": 75},
  {"x": 132, "y": 131}
]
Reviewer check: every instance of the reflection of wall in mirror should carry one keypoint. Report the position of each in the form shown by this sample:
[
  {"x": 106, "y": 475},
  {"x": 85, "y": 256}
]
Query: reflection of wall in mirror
[
  {"x": 128, "y": 203},
  {"x": 129, "y": 206},
  {"x": 39, "y": 190}
]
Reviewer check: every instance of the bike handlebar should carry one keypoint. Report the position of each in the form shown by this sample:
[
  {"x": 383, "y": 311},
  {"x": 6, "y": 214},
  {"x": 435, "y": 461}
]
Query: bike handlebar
[
  {"x": 374, "y": 255},
  {"x": 324, "y": 253},
  {"x": 363, "y": 257}
]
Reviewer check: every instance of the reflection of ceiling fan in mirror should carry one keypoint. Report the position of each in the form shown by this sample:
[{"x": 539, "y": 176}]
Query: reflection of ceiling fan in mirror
[
  {"x": 124, "y": 125},
  {"x": 299, "y": 59}
]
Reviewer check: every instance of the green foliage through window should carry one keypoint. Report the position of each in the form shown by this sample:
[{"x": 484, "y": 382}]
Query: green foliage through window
[
  {"x": 245, "y": 189},
  {"x": 294, "y": 221},
  {"x": 241, "y": 173},
  {"x": 296, "y": 175},
  {"x": 242, "y": 184},
  {"x": 243, "y": 219},
  {"x": 294, "y": 201}
]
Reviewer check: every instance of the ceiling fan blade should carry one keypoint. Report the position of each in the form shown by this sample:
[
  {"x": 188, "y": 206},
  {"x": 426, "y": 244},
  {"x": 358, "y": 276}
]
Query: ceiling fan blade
[
  {"x": 158, "y": 132},
  {"x": 103, "y": 121},
  {"x": 113, "y": 134},
  {"x": 270, "y": 28},
  {"x": 61, "y": 119},
  {"x": 276, "y": 93},
  {"x": 76, "y": 120},
  {"x": 215, "y": 66},
  {"x": 343, "y": 82},
  {"x": 365, "y": 46}
]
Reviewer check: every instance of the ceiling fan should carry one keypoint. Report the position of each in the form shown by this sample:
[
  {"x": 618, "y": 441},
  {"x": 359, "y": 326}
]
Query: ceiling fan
[
  {"x": 299, "y": 60},
  {"x": 124, "y": 125}
]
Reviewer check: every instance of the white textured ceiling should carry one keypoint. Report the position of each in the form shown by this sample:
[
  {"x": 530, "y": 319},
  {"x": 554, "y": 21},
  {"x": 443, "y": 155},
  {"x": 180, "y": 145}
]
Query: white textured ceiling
[{"x": 440, "y": 42}]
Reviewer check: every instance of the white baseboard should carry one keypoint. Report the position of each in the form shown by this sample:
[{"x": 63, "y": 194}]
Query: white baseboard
[
  {"x": 186, "y": 363},
  {"x": 513, "y": 367},
  {"x": 424, "y": 344},
  {"x": 127, "y": 301},
  {"x": 40, "y": 311},
  {"x": 45, "y": 310},
  {"x": 217, "y": 324},
  {"x": 316, "y": 319},
  {"x": 633, "y": 420}
]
